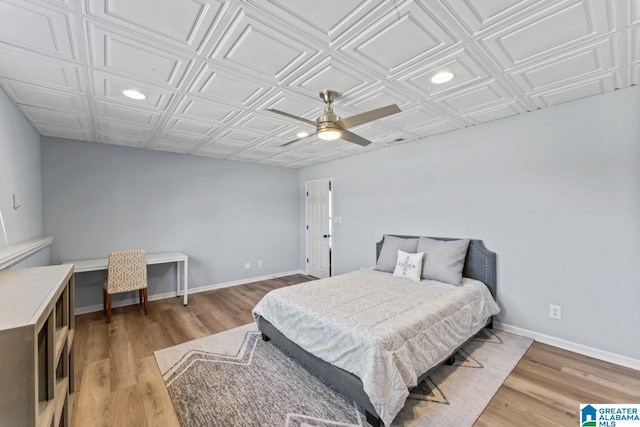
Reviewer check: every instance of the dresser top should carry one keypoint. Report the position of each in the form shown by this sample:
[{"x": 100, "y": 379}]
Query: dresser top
[{"x": 25, "y": 293}]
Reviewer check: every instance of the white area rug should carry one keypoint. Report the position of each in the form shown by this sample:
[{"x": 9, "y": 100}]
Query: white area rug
[{"x": 235, "y": 379}]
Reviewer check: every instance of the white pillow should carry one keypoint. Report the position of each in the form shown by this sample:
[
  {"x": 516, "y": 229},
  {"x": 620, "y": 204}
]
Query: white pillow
[{"x": 409, "y": 266}]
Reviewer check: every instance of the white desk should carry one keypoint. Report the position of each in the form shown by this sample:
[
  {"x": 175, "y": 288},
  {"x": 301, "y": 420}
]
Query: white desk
[{"x": 181, "y": 260}]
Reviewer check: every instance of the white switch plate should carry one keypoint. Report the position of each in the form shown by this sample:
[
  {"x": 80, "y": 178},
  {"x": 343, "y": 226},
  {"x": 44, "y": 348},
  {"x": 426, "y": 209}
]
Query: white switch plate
[
  {"x": 247, "y": 266},
  {"x": 260, "y": 263}
]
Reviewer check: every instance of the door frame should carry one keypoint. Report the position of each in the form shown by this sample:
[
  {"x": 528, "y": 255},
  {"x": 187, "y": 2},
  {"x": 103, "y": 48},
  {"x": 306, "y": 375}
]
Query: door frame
[{"x": 306, "y": 230}]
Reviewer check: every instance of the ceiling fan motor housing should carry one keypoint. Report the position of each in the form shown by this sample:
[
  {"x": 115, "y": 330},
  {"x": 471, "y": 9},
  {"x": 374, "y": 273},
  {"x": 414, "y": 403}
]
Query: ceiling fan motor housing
[{"x": 328, "y": 120}]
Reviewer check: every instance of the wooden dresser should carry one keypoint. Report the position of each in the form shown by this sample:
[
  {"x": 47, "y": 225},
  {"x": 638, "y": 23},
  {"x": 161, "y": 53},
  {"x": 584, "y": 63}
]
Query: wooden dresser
[{"x": 36, "y": 346}]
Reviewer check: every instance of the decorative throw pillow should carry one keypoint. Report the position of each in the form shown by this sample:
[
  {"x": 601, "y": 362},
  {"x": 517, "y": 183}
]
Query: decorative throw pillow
[
  {"x": 408, "y": 266},
  {"x": 389, "y": 252},
  {"x": 443, "y": 260}
]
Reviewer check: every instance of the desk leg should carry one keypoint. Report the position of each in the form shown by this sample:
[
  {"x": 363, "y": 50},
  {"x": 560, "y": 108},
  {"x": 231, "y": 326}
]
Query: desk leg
[
  {"x": 185, "y": 276},
  {"x": 178, "y": 278}
]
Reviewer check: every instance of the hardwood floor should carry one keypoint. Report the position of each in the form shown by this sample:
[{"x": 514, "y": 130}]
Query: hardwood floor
[{"x": 118, "y": 382}]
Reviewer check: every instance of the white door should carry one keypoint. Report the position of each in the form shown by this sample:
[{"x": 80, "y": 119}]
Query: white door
[{"x": 318, "y": 196}]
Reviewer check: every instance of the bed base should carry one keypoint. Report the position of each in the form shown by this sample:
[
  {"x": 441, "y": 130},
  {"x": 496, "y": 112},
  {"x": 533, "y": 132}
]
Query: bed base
[
  {"x": 480, "y": 264},
  {"x": 345, "y": 382}
]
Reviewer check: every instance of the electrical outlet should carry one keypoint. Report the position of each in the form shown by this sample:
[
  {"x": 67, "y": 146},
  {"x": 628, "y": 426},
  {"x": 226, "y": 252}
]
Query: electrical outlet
[
  {"x": 247, "y": 266},
  {"x": 555, "y": 311},
  {"x": 260, "y": 263}
]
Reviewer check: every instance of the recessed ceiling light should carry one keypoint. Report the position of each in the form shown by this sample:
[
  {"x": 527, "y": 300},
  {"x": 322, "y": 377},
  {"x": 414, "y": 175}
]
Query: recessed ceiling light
[
  {"x": 134, "y": 94},
  {"x": 442, "y": 77},
  {"x": 302, "y": 134}
]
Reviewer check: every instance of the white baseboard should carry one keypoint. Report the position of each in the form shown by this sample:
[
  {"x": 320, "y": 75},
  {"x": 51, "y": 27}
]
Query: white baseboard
[
  {"x": 572, "y": 346},
  {"x": 134, "y": 300},
  {"x": 128, "y": 301},
  {"x": 243, "y": 281}
]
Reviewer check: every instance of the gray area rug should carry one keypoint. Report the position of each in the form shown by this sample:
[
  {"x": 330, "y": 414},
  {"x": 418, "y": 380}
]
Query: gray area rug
[{"x": 235, "y": 379}]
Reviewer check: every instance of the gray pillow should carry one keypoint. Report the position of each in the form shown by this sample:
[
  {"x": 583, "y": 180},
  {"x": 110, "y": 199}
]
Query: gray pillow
[
  {"x": 389, "y": 253},
  {"x": 443, "y": 260}
]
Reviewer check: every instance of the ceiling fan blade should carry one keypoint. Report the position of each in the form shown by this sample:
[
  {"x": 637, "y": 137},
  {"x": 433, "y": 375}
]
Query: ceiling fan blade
[
  {"x": 352, "y": 137},
  {"x": 298, "y": 139},
  {"x": 370, "y": 116},
  {"x": 302, "y": 119}
]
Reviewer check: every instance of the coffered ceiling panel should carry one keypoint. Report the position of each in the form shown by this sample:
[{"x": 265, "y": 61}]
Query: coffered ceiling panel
[
  {"x": 121, "y": 113},
  {"x": 222, "y": 149},
  {"x": 26, "y": 66},
  {"x": 174, "y": 141},
  {"x": 475, "y": 98},
  {"x": 582, "y": 89},
  {"x": 198, "y": 109},
  {"x": 185, "y": 23},
  {"x": 325, "y": 20},
  {"x": 117, "y": 128},
  {"x": 207, "y": 70},
  {"x": 578, "y": 63},
  {"x": 477, "y": 15},
  {"x": 62, "y": 132},
  {"x": 56, "y": 118},
  {"x": 218, "y": 84},
  {"x": 303, "y": 106},
  {"x": 550, "y": 30},
  {"x": 191, "y": 126},
  {"x": 252, "y": 46},
  {"x": 37, "y": 28},
  {"x": 265, "y": 124},
  {"x": 122, "y": 55},
  {"x": 28, "y": 94},
  {"x": 400, "y": 38},
  {"x": 255, "y": 154},
  {"x": 128, "y": 141},
  {"x": 414, "y": 119},
  {"x": 311, "y": 149},
  {"x": 330, "y": 73},
  {"x": 494, "y": 113},
  {"x": 238, "y": 137},
  {"x": 441, "y": 127}
]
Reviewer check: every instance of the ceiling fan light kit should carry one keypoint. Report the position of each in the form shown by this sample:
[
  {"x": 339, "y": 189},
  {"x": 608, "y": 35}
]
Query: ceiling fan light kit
[
  {"x": 329, "y": 134},
  {"x": 330, "y": 126}
]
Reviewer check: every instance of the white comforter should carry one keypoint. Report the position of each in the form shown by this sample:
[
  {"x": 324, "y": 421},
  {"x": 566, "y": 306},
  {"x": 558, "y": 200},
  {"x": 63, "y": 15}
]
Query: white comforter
[{"x": 385, "y": 330}]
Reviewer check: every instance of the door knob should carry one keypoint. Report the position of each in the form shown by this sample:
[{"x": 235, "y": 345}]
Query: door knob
[{"x": 326, "y": 236}]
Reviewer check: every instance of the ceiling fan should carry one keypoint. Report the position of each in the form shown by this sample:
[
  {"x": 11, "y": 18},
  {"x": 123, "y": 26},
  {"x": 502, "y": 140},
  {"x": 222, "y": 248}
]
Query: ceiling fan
[{"x": 329, "y": 126}]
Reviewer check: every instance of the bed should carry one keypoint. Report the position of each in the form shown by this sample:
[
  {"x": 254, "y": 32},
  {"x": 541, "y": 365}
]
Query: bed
[{"x": 362, "y": 334}]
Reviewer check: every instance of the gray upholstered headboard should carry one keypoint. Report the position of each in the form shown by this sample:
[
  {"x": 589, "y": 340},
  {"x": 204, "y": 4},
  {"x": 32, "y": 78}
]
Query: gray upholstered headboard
[{"x": 480, "y": 263}]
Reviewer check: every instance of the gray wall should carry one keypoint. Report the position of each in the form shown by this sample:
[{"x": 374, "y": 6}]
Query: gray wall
[
  {"x": 20, "y": 174},
  {"x": 556, "y": 193},
  {"x": 99, "y": 198}
]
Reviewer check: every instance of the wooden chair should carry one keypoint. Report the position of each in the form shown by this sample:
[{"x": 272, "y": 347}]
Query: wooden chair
[{"x": 127, "y": 272}]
